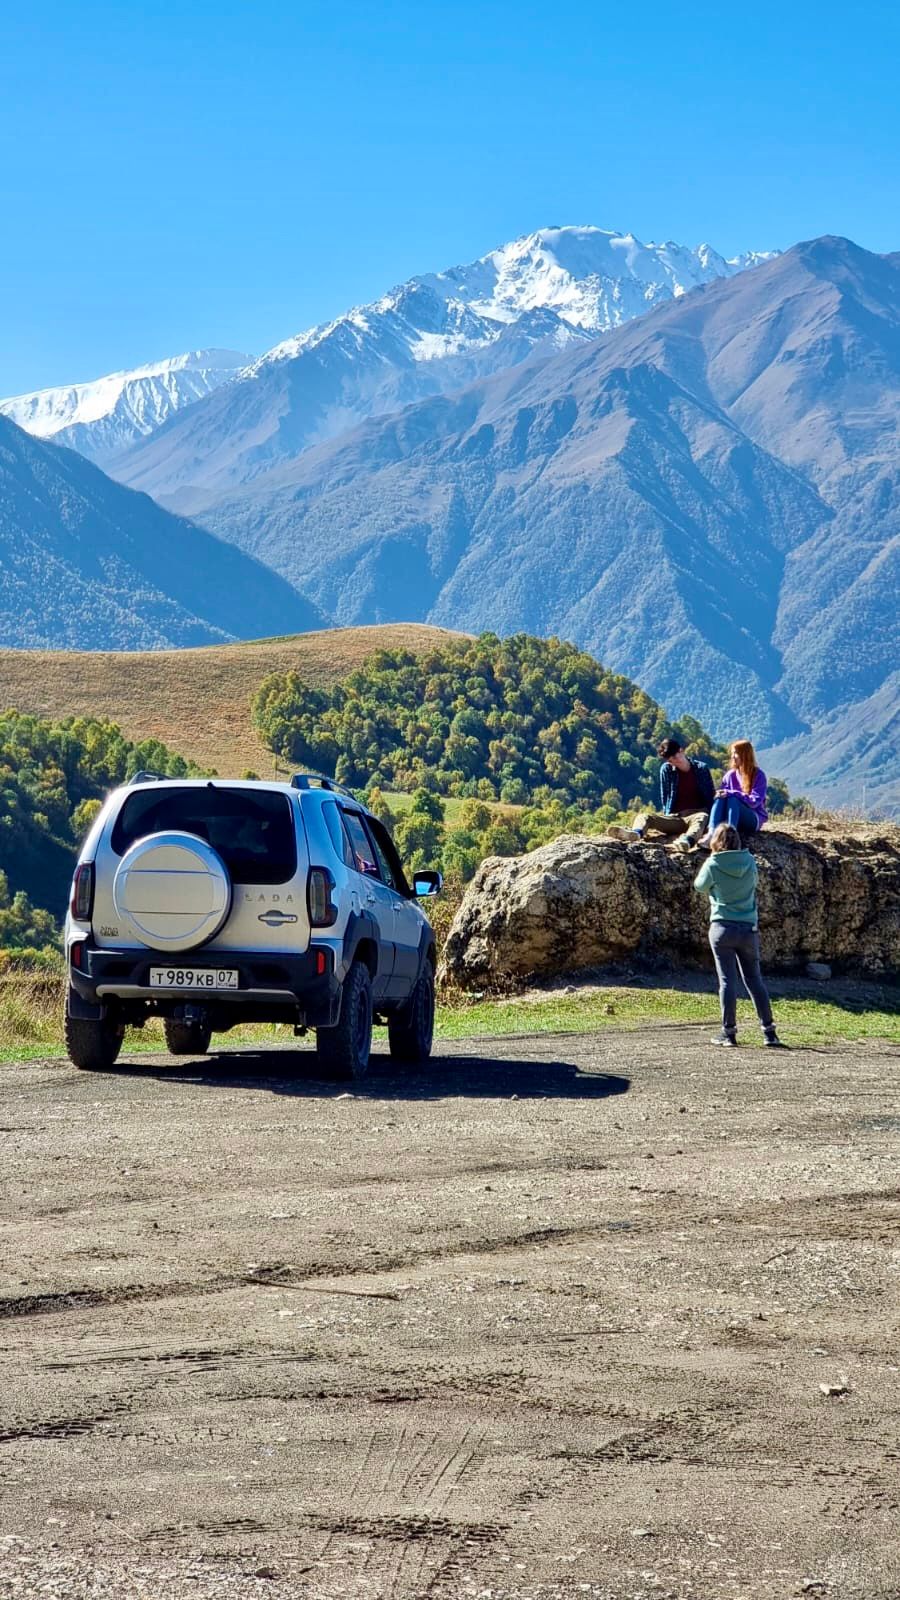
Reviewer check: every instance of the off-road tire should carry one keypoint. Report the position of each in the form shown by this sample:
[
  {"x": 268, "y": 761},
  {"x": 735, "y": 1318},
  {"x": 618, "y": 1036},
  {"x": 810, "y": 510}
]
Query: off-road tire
[
  {"x": 187, "y": 1038},
  {"x": 345, "y": 1049},
  {"x": 411, "y": 1030},
  {"x": 92, "y": 1046}
]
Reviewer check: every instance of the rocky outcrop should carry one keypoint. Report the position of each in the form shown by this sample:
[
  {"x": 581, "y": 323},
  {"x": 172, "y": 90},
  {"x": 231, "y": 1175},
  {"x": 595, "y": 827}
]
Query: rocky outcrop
[{"x": 825, "y": 894}]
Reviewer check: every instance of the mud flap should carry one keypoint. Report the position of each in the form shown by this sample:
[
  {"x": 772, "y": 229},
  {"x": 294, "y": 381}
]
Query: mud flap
[{"x": 84, "y": 1010}]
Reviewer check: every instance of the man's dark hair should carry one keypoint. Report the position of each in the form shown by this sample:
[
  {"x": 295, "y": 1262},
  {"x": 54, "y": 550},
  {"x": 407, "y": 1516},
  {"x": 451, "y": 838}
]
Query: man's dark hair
[{"x": 667, "y": 749}]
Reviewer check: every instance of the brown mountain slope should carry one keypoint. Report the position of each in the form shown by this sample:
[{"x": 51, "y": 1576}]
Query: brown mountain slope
[
  {"x": 707, "y": 499},
  {"x": 196, "y": 701}
]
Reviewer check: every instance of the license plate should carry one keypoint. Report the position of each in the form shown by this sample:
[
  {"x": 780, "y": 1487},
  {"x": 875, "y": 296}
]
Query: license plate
[{"x": 193, "y": 978}]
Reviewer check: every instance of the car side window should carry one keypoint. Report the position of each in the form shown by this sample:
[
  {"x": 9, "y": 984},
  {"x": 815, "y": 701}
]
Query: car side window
[
  {"x": 364, "y": 857},
  {"x": 335, "y": 824},
  {"x": 384, "y": 865},
  {"x": 391, "y": 867}
]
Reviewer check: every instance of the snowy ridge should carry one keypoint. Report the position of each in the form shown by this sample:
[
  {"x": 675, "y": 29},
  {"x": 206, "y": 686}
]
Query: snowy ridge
[
  {"x": 110, "y": 413},
  {"x": 434, "y": 335},
  {"x": 589, "y": 279}
]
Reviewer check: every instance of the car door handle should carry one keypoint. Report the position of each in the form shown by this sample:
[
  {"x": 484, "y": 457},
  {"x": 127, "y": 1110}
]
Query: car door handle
[{"x": 371, "y": 899}]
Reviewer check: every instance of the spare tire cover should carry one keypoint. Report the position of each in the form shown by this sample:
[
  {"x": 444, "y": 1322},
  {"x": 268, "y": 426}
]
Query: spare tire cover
[{"x": 172, "y": 891}]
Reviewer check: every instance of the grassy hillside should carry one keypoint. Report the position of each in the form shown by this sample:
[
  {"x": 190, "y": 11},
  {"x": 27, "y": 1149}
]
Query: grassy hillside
[{"x": 193, "y": 700}]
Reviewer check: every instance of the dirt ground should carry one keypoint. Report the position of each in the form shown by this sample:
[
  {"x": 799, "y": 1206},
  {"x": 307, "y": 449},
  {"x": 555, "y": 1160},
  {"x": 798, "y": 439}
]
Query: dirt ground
[{"x": 556, "y": 1317}]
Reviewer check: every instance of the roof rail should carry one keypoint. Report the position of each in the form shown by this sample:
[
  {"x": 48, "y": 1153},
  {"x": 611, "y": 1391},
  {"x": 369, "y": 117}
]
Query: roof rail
[
  {"x": 147, "y": 777},
  {"x": 318, "y": 780}
]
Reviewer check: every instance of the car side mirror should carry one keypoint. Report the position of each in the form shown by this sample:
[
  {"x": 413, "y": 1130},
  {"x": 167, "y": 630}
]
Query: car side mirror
[{"x": 426, "y": 883}]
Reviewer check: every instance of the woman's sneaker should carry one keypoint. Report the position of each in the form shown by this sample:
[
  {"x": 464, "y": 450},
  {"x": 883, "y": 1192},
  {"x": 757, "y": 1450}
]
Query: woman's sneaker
[
  {"x": 729, "y": 1040},
  {"x": 772, "y": 1041}
]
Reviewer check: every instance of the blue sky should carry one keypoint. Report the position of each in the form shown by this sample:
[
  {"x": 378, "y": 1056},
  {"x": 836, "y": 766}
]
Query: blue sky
[{"x": 179, "y": 173}]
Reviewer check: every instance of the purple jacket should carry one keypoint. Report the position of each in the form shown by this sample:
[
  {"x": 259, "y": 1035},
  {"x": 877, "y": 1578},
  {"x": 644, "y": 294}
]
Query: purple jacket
[{"x": 756, "y": 799}]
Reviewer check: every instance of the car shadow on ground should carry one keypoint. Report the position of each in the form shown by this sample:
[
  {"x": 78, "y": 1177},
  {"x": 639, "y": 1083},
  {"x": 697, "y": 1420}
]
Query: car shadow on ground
[{"x": 296, "y": 1073}]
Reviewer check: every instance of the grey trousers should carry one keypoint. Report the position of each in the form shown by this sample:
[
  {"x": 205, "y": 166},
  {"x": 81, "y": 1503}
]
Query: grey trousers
[{"x": 735, "y": 946}]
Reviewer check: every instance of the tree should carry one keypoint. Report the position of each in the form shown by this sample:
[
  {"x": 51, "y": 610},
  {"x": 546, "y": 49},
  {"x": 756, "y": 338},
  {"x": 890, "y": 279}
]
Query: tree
[
  {"x": 84, "y": 816},
  {"x": 23, "y": 925},
  {"x": 419, "y": 840},
  {"x": 379, "y": 807}
]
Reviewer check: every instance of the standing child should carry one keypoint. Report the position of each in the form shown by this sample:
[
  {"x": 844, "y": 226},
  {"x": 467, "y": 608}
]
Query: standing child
[{"x": 729, "y": 878}]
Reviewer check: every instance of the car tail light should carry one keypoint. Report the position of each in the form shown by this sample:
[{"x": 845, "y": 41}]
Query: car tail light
[
  {"x": 322, "y": 909},
  {"x": 83, "y": 892}
]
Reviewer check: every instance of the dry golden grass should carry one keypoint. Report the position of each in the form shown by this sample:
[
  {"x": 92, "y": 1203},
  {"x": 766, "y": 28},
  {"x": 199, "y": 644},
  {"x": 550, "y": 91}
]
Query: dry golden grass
[
  {"x": 31, "y": 1007},
  {"x": 196, "y": 701}
]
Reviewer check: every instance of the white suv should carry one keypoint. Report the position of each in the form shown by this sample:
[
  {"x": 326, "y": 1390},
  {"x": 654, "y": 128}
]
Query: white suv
[{"x": 211, "y": 903}]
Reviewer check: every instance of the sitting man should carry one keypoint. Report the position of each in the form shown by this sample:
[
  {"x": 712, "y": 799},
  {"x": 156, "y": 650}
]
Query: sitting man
[{"x": 687, "y": 793}]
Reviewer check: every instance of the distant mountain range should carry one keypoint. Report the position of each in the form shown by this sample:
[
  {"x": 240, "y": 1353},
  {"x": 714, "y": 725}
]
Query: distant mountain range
[
  {"x": 104, "y": 417},
  {"x": 691, "y": 468},
  {"x": 431, "y": 335},
  {"x": 88, "y": 565},
  {"x": 708, "y": 498}
]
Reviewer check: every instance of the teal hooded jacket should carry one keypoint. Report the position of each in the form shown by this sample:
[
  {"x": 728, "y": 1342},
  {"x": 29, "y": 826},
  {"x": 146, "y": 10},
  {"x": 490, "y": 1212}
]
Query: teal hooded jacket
[{"x": 729, "y": 878}]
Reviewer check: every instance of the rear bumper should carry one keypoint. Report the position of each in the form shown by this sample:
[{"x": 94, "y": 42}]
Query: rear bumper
[{"x": 271, "y": 987}]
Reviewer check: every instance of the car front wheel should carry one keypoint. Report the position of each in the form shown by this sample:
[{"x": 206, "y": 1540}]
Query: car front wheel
[
  {"x": 345, "y": 1049},
  {"x": 411, "y": 1030}
]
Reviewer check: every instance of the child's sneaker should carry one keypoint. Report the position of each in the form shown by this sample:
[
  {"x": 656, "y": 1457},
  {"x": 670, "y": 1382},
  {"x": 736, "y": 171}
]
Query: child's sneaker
[
  {"x": 772, "y": 1041},
  {"x": 729, "y": 1040}
]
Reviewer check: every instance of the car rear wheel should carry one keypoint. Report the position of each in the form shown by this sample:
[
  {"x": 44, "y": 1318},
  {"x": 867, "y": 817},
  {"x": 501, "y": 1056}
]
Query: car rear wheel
[
  {"x": 411, "y": 1030},
  {"x": 345, "y": 1049},
  {"x": 187, "y": 1038},
  {"x": 92, "y": 1046}
]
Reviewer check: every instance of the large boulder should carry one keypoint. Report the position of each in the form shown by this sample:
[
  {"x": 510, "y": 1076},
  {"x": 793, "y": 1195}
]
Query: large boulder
[{"x": 826, "y": 894}]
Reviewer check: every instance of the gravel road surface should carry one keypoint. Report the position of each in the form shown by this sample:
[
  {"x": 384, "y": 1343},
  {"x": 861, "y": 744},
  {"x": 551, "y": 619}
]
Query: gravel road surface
[{"x": 608, "y": 1315}]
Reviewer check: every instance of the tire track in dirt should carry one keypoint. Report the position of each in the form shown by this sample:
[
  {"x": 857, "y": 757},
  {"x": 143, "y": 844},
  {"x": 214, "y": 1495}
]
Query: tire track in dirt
[
  {"x": 879, "y": 1208},
  {"x": 401, "y": 1469},
  {"x": 61, "y": 1427}
]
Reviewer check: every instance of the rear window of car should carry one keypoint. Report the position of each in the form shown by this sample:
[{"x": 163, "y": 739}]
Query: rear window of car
[{"x": 253, "y": 832}]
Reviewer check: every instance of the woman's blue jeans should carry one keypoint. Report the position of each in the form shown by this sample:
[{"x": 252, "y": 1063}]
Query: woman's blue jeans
[{"x": 731, "y": 808}]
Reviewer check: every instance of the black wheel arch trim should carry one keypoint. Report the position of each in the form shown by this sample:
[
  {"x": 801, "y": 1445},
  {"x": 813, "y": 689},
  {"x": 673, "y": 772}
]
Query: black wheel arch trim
[
  {"x": 360, "y": 925},
  {"x": 427, "y": 950}
]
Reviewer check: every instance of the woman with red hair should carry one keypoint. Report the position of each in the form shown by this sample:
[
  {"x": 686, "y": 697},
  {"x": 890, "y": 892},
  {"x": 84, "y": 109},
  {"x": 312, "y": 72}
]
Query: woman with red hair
[{"x": 741, "y": 797}]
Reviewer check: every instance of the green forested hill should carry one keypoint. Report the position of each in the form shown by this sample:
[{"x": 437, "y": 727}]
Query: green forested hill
[
  {"x": 527, "y": 737},
  {"x": 520, "y": 720}
]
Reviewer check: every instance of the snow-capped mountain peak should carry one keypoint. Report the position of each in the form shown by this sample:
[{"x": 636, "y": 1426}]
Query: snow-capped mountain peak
[
  {"x": 591, "y": 279},
  {"x": 434, "y": 334},
  {"x": 105, "y": 415}
]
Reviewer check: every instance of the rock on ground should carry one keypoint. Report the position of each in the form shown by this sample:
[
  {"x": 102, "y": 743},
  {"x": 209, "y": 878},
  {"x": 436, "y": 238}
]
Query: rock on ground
[{"x": 582, "y": 902}]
